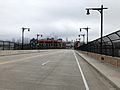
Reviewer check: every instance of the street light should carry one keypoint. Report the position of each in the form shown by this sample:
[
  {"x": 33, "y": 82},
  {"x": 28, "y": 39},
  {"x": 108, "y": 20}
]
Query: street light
[
  {"x": 87, "y": 32},
  {"x": 101, "y": 12},
  {"x": 23, "y": 29},
  {"x": 76, "y": 39},
  {"x": 38, "y": 36},
  {"x": 83, "y": 37},
  {"x": 79, "y": 39}
]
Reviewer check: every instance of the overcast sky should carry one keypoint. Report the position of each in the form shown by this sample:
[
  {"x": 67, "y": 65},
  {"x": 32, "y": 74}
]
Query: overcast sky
[{"x": 61, "y": 18}]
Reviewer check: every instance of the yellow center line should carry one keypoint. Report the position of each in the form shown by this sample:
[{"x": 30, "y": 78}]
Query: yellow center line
[{"x": 27, "y": 58}]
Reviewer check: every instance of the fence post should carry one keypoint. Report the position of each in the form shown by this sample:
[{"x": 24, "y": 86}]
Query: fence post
[
  {"x": 3, "y": 45},
  {"x": 9, "y": 45}
]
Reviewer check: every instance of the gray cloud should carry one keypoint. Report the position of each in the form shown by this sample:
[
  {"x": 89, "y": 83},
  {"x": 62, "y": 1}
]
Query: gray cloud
[{"x": 60, "y": 17}]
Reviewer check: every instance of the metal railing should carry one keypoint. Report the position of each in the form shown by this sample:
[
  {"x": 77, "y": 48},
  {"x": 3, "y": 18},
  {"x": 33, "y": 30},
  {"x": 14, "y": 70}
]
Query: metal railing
[
  {"x": 110, "y": 45},
  {"x": 6, "y": 45}
]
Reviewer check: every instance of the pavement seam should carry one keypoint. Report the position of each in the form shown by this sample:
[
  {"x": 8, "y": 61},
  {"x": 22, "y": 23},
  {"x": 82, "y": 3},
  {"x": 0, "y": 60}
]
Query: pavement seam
[{"x": 105, "y": 77}]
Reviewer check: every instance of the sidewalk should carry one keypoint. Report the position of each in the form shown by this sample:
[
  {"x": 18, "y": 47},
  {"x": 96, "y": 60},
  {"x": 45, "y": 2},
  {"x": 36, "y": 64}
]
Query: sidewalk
[{"x": 111, "y": 73}]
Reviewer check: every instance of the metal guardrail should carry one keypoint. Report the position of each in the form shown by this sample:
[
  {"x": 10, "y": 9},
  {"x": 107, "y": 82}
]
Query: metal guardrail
[
  {"x": 6, "y": 45},
  {"x": 110, "y": 45}
]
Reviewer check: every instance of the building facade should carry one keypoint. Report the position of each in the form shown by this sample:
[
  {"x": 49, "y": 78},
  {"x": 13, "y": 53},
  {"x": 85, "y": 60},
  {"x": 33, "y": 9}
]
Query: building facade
[{"x": 48, "y": 44}]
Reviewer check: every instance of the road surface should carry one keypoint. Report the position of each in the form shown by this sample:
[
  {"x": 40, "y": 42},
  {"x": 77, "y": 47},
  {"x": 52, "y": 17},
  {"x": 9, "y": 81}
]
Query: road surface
[{"x": 49, "y": 70}]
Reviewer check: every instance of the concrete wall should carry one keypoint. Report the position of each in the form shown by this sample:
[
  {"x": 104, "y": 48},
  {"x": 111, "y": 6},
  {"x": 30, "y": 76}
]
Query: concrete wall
[
  {"x": 14, "y": 52},
  {"x": 103, "y": 58}
]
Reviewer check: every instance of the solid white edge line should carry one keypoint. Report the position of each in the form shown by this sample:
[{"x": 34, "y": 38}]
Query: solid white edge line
[{"x": 80, "y": 69}]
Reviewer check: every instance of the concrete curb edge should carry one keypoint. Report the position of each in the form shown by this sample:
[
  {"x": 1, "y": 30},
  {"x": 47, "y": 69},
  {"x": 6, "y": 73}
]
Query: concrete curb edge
[{"x": 111, "y": 82}]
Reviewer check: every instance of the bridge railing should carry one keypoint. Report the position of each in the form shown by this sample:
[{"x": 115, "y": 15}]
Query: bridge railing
[
  {"x": 6, "y": 45},
  {"x": 110, "y": 45}
]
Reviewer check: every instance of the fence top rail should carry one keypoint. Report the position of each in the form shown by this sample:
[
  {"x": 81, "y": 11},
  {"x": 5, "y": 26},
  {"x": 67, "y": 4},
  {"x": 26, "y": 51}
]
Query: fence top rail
[{"x": 112, "y": 38}]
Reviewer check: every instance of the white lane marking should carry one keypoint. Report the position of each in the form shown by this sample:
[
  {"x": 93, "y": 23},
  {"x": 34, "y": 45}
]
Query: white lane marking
[
  {"x": 80, "y": 69},
  {"x": 45, "y": 63}
]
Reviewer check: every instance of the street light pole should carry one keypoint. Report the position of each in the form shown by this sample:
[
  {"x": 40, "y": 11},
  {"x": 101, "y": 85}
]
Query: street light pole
[
  {"x": 101, "y": 12},
  {"x": 23, "y": 29},
  {"x": 87, "y": 32},
  {"x": 101, "y": 29},
  {"x": 83, "y": 37},
  {"x": 37, "y": 40},
  {"x": 37, "y": 37},
  {"x": 79, "y": 39}
]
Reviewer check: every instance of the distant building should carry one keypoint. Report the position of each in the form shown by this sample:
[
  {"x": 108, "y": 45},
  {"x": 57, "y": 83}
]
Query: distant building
[
  {"x": 48, "y": 43},
  {"x": 69, "y": 44}
]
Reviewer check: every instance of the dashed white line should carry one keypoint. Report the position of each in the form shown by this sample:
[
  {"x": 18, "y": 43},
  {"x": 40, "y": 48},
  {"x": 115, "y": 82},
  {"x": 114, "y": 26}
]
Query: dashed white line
[
  {"x": 82, "y": 74},
  {"x": 45, "y": 63}
]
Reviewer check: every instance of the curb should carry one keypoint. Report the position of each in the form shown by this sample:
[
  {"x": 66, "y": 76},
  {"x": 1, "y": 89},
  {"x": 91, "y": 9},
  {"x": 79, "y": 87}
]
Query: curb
[{"x": 105, "y": 77}]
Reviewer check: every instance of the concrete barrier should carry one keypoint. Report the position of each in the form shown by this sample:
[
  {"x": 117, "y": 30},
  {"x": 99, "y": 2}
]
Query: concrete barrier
[
  {"x": 104, "y": 58},
  {"x": 15, "y": 52}
]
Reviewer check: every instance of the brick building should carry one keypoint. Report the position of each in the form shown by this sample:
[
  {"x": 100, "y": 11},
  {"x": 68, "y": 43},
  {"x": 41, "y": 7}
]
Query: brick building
[{"x": 48, "y": 43}]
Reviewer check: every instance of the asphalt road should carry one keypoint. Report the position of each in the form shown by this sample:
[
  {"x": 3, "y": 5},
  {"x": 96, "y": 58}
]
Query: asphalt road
[{"x": 49, "y": 70}]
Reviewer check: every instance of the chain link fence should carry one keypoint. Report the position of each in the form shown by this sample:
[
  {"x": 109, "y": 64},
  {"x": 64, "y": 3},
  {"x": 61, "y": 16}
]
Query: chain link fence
[
  {"x": 7, "y": 45},
  {"x": 110, "y": 45}
]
